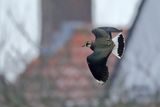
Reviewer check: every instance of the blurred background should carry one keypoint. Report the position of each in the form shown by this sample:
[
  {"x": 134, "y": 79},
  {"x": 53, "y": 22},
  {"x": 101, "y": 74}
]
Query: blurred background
[{"x": 42, "y": 63}]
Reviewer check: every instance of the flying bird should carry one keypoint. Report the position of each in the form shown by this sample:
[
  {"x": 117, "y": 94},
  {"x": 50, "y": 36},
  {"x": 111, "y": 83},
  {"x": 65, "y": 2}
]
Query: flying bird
[{"x": 102, "y": 47}]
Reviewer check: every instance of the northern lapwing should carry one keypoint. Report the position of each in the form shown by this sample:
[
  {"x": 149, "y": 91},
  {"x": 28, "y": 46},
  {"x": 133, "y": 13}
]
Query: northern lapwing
[{"x": 102, "y": 47}]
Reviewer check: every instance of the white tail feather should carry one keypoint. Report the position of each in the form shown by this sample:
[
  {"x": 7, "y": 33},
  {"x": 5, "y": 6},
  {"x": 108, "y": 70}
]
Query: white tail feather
[{"x": 119, "y": 45}]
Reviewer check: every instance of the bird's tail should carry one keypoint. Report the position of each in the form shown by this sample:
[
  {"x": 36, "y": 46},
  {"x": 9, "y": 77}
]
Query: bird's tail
[{"x": 119, "y": 45}]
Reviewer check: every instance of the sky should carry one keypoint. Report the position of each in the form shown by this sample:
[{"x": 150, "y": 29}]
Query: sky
[{"x": 118, "y": 13}]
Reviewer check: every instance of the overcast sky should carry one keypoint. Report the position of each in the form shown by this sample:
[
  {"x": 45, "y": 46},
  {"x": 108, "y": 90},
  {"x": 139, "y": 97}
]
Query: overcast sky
[{"x": 117, "y": 13}]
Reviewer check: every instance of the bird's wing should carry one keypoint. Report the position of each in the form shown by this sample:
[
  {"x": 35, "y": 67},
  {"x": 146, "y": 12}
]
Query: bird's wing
[
  {"x": 104, "y": 32},
  {"x": 110, "y": 29},
  {"x": 100, "y": 33},
  {"x": 97, "y": 65}
]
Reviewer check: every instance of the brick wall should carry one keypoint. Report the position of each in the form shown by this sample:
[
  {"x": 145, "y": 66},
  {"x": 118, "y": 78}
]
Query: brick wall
[{"x": 57, "y": 12}]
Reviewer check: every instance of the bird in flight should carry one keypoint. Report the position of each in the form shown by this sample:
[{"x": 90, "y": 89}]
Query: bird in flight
[{"x": 102, "y": 47}]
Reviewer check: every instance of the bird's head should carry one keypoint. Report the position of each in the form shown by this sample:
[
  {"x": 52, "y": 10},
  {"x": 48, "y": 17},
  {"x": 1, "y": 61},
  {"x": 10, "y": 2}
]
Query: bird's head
[{"x": 87, "y": 44}]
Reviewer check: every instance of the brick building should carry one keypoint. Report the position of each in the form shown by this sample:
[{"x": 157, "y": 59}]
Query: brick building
[{"x": 60, "y": 77}]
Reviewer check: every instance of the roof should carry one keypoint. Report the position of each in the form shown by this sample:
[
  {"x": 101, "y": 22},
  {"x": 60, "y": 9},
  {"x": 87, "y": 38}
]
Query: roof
[{"x": 137, "y": 75}]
